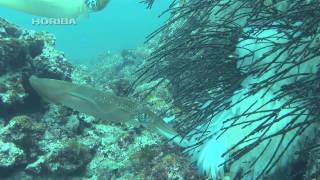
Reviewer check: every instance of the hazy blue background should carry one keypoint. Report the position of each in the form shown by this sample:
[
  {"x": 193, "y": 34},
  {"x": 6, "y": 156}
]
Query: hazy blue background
[{"x": 123, "y": 24}]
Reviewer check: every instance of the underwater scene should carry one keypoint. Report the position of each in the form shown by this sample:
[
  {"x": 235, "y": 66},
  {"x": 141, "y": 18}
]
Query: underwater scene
[{"x": 160, "y": 90}]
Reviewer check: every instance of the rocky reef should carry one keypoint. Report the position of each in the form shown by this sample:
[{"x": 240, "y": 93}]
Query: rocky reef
[
  {"x": 23, "y": 53},
  {"x": 41, "y": 140}
]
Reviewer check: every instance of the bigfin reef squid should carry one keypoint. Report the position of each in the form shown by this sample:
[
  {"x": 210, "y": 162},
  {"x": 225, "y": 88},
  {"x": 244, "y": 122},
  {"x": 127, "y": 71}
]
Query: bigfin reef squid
[{"x": 103, "y": 105}]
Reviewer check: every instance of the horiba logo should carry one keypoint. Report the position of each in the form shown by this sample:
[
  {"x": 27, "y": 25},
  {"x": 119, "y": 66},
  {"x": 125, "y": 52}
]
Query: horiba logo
[{"x": 54, "y": 21}]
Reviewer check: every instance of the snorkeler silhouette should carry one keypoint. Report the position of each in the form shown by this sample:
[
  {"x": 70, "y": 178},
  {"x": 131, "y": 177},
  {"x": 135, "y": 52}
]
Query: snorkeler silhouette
[{"x": 56, "y": 8}]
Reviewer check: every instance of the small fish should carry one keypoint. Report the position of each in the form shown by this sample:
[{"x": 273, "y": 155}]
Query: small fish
[
  {"x": 55, "y": 8},
  {"x": 100, "y": 104}
]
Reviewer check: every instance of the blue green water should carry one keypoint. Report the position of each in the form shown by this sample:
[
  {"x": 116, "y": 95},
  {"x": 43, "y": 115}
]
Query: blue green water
[{"x": 121, "y": 25}]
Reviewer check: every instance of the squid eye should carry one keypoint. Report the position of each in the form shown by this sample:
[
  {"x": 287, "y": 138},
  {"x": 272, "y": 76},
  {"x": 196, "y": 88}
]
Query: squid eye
[
  {"x": 143, "y": 118},
  {"x": 96, "y": 5},
  {"x": 91, "y": 4}
]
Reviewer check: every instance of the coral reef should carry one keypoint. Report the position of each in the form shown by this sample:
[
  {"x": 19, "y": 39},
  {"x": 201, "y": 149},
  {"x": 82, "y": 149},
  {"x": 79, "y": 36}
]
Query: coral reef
[
  {"x": 114, "y": 67},
  {"x": 148, "y": 159},
  {"x": 41, "y": 140},
  {"x": 22, "y": 131},
  {"x": 24, "y": 53},
  {"x": 19, "y": 142},
  {"x": 11, "y": 156},
  {"x": 66, "y": 157}
]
